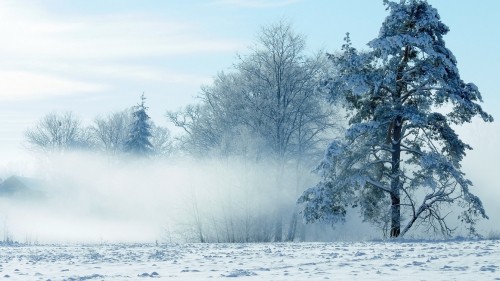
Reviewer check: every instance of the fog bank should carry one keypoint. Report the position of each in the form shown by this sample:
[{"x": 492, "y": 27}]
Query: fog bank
[{"x": 91, "y": 198}]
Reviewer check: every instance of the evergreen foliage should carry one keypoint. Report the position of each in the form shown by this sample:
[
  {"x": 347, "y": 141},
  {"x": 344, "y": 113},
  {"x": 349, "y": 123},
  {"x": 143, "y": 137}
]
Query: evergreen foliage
[
  {"x": 138, "y": 142},
  {"x": 399, "y": 160}
]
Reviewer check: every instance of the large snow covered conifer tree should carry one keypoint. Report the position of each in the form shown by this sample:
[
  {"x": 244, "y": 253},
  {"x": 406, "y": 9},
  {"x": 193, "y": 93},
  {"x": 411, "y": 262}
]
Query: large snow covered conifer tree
[
  {"x": 399, "y": 160},
  {"x": 138, "y": 142}
]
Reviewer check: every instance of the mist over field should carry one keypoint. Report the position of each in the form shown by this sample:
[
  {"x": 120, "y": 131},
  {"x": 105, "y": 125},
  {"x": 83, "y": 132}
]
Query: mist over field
[
  {"x": 92, "y": 198},
  {"x": 480, "y": 166}
]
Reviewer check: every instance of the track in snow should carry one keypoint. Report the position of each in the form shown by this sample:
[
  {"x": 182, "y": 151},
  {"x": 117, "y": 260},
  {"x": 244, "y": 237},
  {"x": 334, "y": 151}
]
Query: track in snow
[{"x": 449, "y": 260}]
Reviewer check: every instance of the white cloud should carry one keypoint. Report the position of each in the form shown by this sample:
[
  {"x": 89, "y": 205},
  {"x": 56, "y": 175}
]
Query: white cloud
[
  {"x": 45, "y": 54},
  {"x": 33, "y": 34},
  {"x": 143, "y": 72},
  {"x": 110, "y": 71},
  {"x": 18, "y": 85},
  {"x": 256, "y": 3},
  {"x": 156, "y": 74}
]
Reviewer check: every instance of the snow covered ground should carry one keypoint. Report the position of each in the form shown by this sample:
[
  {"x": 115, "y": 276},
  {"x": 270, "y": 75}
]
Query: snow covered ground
[{"x": 450, "y": 260}]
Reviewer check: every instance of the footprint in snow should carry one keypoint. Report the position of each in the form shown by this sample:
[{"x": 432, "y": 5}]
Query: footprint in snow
[
  {"x": 239, "y": 273},
  {"x": 491, "y": 268},
  {"x": 154, "y": 274}
]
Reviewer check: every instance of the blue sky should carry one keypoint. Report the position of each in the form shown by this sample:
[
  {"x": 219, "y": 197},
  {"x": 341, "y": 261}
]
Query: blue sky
[{"x": 95, "y": 57}]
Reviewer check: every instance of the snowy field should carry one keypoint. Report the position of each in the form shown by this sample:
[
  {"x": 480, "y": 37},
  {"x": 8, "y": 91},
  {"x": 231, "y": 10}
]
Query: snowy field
[{"x": 451, "y": 260}]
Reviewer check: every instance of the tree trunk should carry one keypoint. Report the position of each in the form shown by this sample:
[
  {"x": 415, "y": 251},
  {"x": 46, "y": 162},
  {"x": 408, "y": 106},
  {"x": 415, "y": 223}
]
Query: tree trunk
[
  {"x": 397, "y": 127},
  {"x": 395, "y": 179},
  {"x": 395, "y": 214}
]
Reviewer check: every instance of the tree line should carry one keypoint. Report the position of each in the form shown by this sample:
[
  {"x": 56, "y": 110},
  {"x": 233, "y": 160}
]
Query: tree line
[
  {"x": 396, "y": 160},
  {"x": 126, "y": 132}
]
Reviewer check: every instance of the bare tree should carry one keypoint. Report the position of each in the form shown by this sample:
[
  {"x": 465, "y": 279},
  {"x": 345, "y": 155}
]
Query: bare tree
[
  {"x": 111, "y": 131},
  {"x": 58, "y": 132},
  {"x": 284, "y": 105},
  {"x": 270, "y": 105},
  {"x": 201, "y": 135},
  {"x": 271, "y": 98},
  {"x": 161, "y": 140},
  {"x": 280, "y": 92}
]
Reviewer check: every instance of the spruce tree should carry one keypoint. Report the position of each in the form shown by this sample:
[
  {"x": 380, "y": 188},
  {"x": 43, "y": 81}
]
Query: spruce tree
[{"x": 137, "y": 142}]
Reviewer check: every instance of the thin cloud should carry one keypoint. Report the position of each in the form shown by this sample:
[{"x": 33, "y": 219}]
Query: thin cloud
[
  {"x": 78, "y": 49},
  {"x": 30, "y": 34},
  {"x": 257, "y": 3},
  {"x": 145, "y": 73},
  {"x": 19, "y": 86}
]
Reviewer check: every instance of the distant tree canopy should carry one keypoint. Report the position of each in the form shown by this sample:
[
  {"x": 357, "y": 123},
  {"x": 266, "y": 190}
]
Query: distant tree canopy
[
  {"x": 127, "y": 131},
  {"x": 399, "y": 160},
  {"x": 269, "y": 104},
  {"x": 111, "y": 132},
  {"x": 57, "y": 132}
]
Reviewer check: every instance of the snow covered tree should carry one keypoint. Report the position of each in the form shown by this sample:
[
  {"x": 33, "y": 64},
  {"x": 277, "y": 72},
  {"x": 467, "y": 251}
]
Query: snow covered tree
[
  {"x": 281, "y": 101},
  {"x": 268, "y": 106},
  {"x": 138, "y": 142},
  {"x": 111, "y": 132},
  {"x": 58, "y": 132},
  {"x": 403, "y": 95},
  {"x": 161, "y": 141}
]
